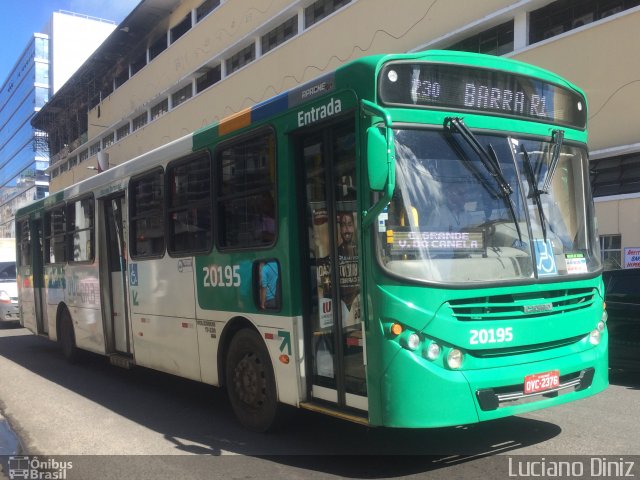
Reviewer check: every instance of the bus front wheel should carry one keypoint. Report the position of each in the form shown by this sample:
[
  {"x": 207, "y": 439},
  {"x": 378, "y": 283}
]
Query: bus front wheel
[
  {"x": 68, "y": 337},
  {"x": 250, "y": 381}
]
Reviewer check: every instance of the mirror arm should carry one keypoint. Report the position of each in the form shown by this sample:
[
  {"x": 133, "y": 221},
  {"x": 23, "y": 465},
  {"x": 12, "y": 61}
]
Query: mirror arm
[{"x": 373, "y": 110}]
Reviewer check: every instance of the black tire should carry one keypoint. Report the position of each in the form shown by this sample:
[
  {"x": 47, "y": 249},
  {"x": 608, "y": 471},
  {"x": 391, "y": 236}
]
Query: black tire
[
  {"x": 250, "y": 381},
  {"x": 68, "y": 338}
]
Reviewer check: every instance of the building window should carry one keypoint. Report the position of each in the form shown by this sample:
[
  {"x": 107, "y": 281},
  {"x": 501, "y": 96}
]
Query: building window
[
  {"x": 24, "y": 243},
  {"x": 495, "y": 41},
  {"x": 94, "y": 149},
  {"x": 147, "y": 215},
  {"x": 181, "y": 28},
  {"x": 242, "y": 58},
  {"x": 615, "y": 175},
  {"x": 205, "y": 81},
  {"x": 138, "y": 63},
  {"x": 54, "y": 236},
  {"x": 206, "y": 8},
  {"x": 181, "y": 95},
  {"x": 140, "y": 121},
  {"x": 42, "y": 96},
  {"x": 321, "y": 9},
  {"x": 159, "y": 46},
  {"x": 73, "y": 161},
  {"x": 160, "y": 109},
  {"x": 64, "y": 167},
  {"x": 80, "y": 230},
  {"x": 611, "y": 251},
  {"x": 121, "y": 77},
  {"x": 84, "y": 155},
  {"x": 564, "y": 15},
  {"x": 105, "y": 91},
  {"x": 108, "y": 140},
  {"x": 246, "y": 193},
  {"x": 189, "y": 205},
  {"x": 42, "y": 48},
  {"x": 42, "y": 73},
  {"x": 123, "y": 131},
  {"x": 279, "y": 35}
]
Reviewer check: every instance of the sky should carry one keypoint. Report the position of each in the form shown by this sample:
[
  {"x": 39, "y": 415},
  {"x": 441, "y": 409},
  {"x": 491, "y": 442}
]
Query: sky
[{"x": 19, "y": 19}]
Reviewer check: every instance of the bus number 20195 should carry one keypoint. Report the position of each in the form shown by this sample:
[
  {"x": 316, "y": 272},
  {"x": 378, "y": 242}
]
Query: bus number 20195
[
  {"x": 219, "y": 276},
  {"x": 490, "y": 335}
]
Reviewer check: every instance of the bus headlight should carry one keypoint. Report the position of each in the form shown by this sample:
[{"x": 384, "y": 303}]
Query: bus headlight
[
  {"x": 594, "y": 337},
  {"x": 600, "y": 327},
  {"x": 411, "y": 341},
  {"x": 454, "y": 358},
  {"x": 432, "y": 351},
  {"x": 605, "y": 315}
]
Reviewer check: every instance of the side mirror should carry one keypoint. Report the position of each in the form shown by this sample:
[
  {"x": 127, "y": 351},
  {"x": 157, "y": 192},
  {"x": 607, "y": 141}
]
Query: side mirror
[
  {"x": 381, "y": 160},
  {"x": 379, "y": 157}
]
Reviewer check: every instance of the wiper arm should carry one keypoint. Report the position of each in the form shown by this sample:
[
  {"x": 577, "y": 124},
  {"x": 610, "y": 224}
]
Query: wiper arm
[
  {"x": 533, "y": 189},
  {"x": 557, "y": 138},
  {"x": 489, "y": 160}
]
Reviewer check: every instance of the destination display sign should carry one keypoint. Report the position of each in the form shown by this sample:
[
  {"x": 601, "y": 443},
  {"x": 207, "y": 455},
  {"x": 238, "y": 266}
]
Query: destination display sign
[
  {"x": 404, "y": 241},
  {"x": 456, "y": 87}
]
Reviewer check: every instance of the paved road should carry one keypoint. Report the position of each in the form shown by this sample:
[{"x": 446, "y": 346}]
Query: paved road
[{"x": 93, "y": 408}]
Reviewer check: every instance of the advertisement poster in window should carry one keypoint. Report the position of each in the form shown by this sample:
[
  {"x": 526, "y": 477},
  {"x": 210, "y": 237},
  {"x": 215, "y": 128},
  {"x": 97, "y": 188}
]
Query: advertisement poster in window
[{"x": 321, "y": 245}]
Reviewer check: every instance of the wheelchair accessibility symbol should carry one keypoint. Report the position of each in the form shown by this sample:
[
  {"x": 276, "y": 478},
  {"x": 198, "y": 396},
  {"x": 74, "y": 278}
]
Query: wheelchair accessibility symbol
[
  {"x": 133, "y": 275},
  {"x": 546, "y": 261}
]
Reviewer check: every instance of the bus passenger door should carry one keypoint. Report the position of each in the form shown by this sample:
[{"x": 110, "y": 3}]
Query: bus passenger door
[
  {"x": 38, "y": 277},
  {"x": 116, "y": 262},
  {"x": 336, "y": 339}
]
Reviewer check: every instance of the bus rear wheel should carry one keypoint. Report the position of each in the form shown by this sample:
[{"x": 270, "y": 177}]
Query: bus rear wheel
[
  {"x": 68, "y": 337},
  {"x": 250, "y": 381}
]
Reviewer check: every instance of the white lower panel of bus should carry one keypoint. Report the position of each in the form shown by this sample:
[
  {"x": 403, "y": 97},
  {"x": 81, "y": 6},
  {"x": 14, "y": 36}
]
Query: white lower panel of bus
[
  {"x": 167, "y": 344},
  {"x": 357, "y": 401},
  {"x": 324, "y": 393},
  {"x": 330, "y": 395}
]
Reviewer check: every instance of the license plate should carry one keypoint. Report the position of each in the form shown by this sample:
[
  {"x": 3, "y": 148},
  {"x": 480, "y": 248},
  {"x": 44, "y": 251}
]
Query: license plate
[{"x": 539, "y": 382}]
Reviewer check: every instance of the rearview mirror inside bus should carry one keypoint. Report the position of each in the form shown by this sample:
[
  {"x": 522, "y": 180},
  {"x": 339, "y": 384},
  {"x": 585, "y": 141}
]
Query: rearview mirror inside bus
[{"x": 378, "y": 158}]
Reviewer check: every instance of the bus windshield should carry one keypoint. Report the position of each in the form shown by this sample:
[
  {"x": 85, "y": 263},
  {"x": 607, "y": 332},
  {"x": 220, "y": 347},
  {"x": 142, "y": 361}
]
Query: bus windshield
[{"x": 513, "y": 209}]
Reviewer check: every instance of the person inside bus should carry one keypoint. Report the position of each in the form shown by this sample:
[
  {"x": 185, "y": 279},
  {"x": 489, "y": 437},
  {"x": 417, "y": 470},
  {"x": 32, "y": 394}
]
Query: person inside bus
[
  {"x": 269, "y": 285},
  {"x": 451, "y": 214}
]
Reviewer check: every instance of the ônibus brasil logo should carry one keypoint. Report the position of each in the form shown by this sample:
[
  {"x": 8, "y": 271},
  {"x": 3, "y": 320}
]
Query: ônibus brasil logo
[{"x": 21, "y": 466}]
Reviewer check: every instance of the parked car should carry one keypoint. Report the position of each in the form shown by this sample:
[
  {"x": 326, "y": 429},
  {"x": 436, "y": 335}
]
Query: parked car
[
  {"x": 622, "y": 294},
  {"x": 9, "y": 311}
]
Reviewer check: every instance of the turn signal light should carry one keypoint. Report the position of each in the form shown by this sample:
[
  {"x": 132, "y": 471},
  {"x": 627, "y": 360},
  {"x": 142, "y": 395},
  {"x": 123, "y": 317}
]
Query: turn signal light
[{"x": 396, "y": 329}]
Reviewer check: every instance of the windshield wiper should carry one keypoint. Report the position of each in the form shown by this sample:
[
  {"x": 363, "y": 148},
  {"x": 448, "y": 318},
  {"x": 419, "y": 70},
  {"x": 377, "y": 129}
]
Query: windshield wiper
[
  {"x": 489, "y": 160},
  {"x": 533, "y": 189},
  {"x": 557, "y": 137}
]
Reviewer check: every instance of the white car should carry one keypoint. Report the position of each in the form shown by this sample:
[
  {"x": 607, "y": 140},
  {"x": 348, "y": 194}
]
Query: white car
[{"x": 9, "y": 310}]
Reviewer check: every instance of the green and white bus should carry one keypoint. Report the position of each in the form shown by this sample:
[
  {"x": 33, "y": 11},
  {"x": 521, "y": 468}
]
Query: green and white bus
[{"x": 408, "y": 241}]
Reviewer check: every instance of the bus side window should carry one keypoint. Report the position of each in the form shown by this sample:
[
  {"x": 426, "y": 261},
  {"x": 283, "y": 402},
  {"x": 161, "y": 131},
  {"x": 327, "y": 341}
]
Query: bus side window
[{"x": 267, "y": 285}]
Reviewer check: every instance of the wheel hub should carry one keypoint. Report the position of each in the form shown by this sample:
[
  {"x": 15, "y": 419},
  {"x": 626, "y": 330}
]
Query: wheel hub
[{"x": 249, "y": 380}]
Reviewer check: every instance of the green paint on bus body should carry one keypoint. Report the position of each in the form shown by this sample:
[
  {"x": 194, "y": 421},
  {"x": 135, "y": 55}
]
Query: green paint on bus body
[{"x": 405, "y": 389}]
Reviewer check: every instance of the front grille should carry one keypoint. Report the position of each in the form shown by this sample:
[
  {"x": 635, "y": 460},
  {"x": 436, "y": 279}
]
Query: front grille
[
  {"x": 522, "y": 305},
  {"x": 494, "y": 398},
  {"x": 538, "y": 347}
]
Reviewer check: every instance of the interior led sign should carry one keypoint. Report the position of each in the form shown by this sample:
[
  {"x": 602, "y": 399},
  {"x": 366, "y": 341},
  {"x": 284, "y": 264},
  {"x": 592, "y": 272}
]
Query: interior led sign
[{"x": 457, "y": 87}]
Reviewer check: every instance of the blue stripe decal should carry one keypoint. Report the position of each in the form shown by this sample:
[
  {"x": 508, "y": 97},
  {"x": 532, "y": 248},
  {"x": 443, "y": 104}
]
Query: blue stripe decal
[{"x": 270, "y": 107}]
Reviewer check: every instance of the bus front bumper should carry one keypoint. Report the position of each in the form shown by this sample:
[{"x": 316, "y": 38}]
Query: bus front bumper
[{"x": 420, "y": 394}]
